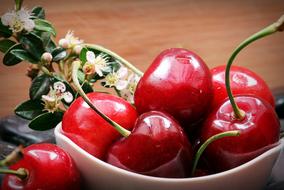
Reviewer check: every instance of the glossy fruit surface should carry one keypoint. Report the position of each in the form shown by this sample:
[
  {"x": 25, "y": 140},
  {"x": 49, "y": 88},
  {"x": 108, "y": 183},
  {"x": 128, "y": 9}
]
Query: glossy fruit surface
[
  {"x": 259, "y": 131},
  {"x": 89, "y": 130},
  {"x": 157, "y": 146},
  {"x": 48, "y": 167},
  {"x": 177, "y": 82},
  {"x": 242, "y": 82}
]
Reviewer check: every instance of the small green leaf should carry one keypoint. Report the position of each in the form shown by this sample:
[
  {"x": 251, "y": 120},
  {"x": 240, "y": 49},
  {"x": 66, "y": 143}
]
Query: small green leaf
[
  {"x": 6, "y": 44},
  {"x": 33, "y": 44},
  {"x": 46, "y": 121},
  {"x": 10, "y": 59},
  {"x": 58, "y": 54},
  {"x": 38, "y": 12},
  {"x": 81, "y": 76},
  {"x": 23, "y": 55},
  {"x": 40, "y": 86},
  {"x": 44, "y": 25},
  {"x": 83, "y": 55},
  {"x": 29, "y": 109},
  {"x": 5, "y": 31}
]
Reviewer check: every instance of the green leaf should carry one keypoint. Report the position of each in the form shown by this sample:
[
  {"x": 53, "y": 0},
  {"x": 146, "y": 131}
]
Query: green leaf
[
  {"x": 81, "y": 76},
  {"x": 87, "y": 87},
  {"x": 10, "y": 59},
  {"x": 33, "y": 44},
  {"x": 45, "y": 37},
  {"x": 29, "y": 109},
  {"x": 6, "y": 44},
  {"x": 5, "y": 31},
  {"x": 23, "y": 55},
  {"x": 83, "y": 55},
  {"x": 58, "y": 54},
  {"x": 46, "y": 121},
  {"x": 38, "y": 12},
  {"x": 44, "y": 25},
  {"x": 40, "y": 86}
]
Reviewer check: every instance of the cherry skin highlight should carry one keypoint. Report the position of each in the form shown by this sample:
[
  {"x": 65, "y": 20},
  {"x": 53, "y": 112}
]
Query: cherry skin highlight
[
  {"x": 89, "y": 130},
  {"x": 177, "y": 82},
  {"x": 242, "y": 81},
  {"x": 259, "y": 131},
  {"x": 48, "y": 167},
  {"x": 157, "y": 146}
]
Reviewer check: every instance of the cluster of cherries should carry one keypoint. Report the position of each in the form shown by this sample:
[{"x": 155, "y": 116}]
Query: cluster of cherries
[{"x": 180, "y": 105}]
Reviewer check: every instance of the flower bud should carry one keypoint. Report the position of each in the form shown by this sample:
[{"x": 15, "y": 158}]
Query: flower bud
[
  {"x": 63, "y": 43},
  {"x": 77, "y": 49},
  {"x": 46, "y": 57}
]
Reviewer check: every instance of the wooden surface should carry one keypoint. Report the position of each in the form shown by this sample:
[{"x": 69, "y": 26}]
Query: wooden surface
[{"x": 139, "y": 30}]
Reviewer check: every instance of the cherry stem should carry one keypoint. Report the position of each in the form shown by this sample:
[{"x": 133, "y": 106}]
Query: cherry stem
[
  {"x": 277, "y": 26},
  {"x": 75, "y": 66},
  {"x": 209, "y": 141},
  {"x": 120, "y": 59},
  {"x": 21, "y": 173},
  {"x": 13, "y": 157}
]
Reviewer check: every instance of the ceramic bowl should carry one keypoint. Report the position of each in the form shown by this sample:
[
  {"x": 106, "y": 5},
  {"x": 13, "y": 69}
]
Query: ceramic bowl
[{"x": 252, "y": 175}]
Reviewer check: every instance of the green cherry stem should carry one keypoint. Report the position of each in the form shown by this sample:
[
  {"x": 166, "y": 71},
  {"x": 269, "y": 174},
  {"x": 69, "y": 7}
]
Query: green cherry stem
[
  {"x": 18, "y": 4},
  {"x": 120, "y": 59},
  {"x": 209, "y": 141},
  {"x": 75, "y": 66},
  {"x": 275, "y": 27},
  {"x": 20, "y": 173}
]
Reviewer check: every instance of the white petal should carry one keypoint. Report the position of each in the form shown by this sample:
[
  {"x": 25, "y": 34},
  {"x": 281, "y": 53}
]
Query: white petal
[
  {"x": 48, "y": 98},
  {"x": 68, "y": 97},
  {"x": 59, "y": 86},
  {"x": 91, "y": 56},
  {"x": 23, "y": 14},
  {"x": 98, "y": 70},
  {"x": 122, "y": 72},
  {"x": 121, "y": 84},
  {"x": 29, "y": 25},
  {"x": 8, "y": 18}
]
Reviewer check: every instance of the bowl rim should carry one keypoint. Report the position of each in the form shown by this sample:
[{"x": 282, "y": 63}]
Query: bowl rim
[{"x": 58, "y": 134}]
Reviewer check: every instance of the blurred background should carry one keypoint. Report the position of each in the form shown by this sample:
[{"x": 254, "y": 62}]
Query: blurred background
[{"x": 140, "y": 30}]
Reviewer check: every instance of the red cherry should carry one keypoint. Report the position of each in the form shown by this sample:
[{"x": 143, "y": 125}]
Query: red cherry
[
  {"x": 177, "y": 82},
  {"x": 242, "y": 82},
  {"x": 89, "y": 130},
  {"x": 157, "y": 146},
  {"x": 259, "y": 131},
  {"x": 48, "y": 168}
]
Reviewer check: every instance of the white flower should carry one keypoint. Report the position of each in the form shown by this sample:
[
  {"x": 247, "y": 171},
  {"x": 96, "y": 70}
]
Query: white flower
[
  {"x": 55, "y": 95},
  {"x": 95, "y": 64},
  {"x": 18, "y": 20},
  {"x": 117, "y": 79},
  {"x": 70, "y": 41},
  {"x": 59, "y": 87},
  {"x": 128, "y": 92}
]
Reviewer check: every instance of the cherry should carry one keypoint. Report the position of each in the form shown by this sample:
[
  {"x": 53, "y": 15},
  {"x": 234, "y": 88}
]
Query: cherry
[
  {"x": 243, "y": 82},
  {"x": 157, "y": 146},
  {"x": 259, "y": 131},
  {"x": 255, "y": 119},
  {"x": 177, "y": 82},
  {"x": 89, "y": 130},
  {"x": 45, "y": 167}
]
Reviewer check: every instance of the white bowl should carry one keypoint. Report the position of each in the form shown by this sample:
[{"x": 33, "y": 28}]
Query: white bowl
[{"x": 252, "y": 175}]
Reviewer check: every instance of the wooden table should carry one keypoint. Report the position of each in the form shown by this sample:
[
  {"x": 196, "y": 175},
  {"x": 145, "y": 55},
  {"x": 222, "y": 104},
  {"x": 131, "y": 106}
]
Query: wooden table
[{"x": 139, "y": 30}]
